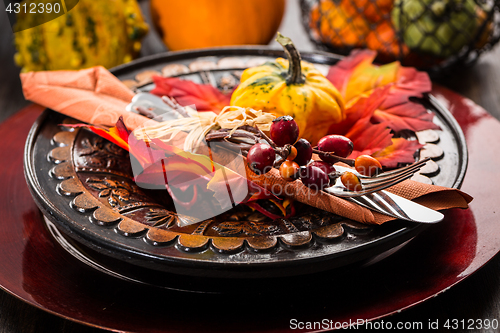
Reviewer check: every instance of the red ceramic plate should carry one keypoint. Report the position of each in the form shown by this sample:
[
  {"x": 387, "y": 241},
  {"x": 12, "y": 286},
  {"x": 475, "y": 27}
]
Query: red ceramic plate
[{"x": 37, "y": 270}]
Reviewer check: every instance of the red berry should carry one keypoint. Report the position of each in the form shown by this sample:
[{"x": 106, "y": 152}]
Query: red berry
[
  {"x": 304, "y": 152},
  {"x": 261, "y": 158},
  {"x": 367, "y": 165},
  {"x": 284, "y": 130},
  {"x": 336, "y": 144},
  {"x": 314, "y": 177},
  {"x": 326, "y": 167}
]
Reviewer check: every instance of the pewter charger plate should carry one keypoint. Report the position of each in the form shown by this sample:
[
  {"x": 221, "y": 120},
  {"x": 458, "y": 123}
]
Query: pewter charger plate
[{"x": 83, "y": 186}]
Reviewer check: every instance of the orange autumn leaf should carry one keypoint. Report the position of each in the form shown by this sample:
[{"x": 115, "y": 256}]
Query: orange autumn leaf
[
  {"x": 401, "y": 151},
  {"x": 366, "y": 136},
  {"x": 378, "y": 100},
  {"x": 355, "y": 76},
  {"x": 204, "y": 96},
  {"x": 341, "y": 73},
  {"x": 278, "y": 213},
  {"x": 364, "y": 107}
]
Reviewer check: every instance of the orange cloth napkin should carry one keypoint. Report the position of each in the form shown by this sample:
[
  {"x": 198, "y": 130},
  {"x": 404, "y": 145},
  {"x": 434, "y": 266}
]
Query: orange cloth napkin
[
  {"x": 435, "y": 197},
  {"x": 97, "y": 97},
  {"x": 92, "y": 95}
]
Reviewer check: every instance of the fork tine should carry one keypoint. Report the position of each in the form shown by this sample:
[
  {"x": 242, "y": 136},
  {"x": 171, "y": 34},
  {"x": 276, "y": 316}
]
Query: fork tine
[
  {"x": 412, "y": 166},
  {"x": 373, "y": 188},
  {"x": 380, "y": 180},
  {"x": 384, "y": 185},
  {"x": 377, "y": 183}
]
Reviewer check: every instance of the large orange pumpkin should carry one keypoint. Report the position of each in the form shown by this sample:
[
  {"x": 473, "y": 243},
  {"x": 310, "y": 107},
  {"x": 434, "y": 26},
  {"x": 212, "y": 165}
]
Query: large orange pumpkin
[{"x": 188, "y": 24}]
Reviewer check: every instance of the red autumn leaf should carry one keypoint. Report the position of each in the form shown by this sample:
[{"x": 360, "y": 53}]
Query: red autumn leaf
[
  {"x": 401, "y": 151},
  {"x": 280, "y": 205},
  {"x": 398, "y": 111},
  {"x": 363, "y": 108},
  {"x": 367, "y": 136},
  {"x": 413, "y": 117},
  {"x": 118, "y": 134},
  {"x": 163, "y": 165},
  {"x": 409, "y": 83},
  {"x": 356, "y": 77},
  {"x": 204, "y": 96},
  {"x": 178, "y": 166}
]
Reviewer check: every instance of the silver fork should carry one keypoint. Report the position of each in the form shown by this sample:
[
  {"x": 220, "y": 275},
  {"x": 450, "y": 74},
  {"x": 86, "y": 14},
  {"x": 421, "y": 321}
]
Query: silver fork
[
  {"x": 375, "y": 198},
  {"x": 375, "y": 183}
]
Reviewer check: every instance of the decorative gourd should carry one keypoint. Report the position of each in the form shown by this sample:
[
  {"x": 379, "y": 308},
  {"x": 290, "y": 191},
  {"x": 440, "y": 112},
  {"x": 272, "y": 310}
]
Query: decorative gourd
[
  {"x": 106, "y": 33},
  {"x": 292, "y": 87},
  {"x": 207, "y": 23},
  {"x": 437, "y": 27},
  {"x": 338, "y": 24}
]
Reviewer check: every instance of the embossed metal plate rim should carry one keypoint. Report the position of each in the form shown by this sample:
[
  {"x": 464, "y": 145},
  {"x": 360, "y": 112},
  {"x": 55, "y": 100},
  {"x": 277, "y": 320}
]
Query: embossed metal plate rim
[
  {"x": 71, "y": 186},
  {"x": 285, "y": 260}
]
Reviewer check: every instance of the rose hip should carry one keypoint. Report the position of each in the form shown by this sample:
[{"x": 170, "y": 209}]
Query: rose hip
[
  {"x": 336, "y": 144},
  {"x": 261, "y": 158},
  {"x": 351, "y": 181},
  {"x": 304, "y": 152},
  {"x": 293, "y": 153},
  {"x": 326, "y": 167},
  {"x": 314, "y": 177},
  {"x": 284, "y": 130},
  {"x": 367, "y": 165},
  {"x": 289, "y": 170}
]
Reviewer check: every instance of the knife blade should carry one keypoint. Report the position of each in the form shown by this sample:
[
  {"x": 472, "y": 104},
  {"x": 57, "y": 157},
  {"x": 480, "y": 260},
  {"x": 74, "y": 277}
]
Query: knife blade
[{"x": 393, "y": 205}]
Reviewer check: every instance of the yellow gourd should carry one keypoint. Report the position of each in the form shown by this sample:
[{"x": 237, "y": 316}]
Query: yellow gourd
[
  {"x": 292, "y": 87},
  {"x": 106, "y": 33}
]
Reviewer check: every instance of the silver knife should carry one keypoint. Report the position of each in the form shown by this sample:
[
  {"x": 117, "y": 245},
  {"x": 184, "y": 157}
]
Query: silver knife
[{"x": 393, "y": 205}]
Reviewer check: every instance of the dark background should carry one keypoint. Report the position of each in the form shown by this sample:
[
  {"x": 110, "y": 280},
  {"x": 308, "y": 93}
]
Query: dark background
[{"x": 478, "y": 297}]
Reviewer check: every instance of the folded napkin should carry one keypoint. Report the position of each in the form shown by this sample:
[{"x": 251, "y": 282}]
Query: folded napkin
[
  {"x": 92, "y": 95},
  {"x": 97, "y": 97},
  {"x": 432, "y": 196}
]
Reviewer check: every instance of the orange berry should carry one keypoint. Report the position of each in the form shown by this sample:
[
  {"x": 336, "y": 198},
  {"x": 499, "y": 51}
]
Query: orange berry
[
  {"x": 293, "y": 153},
  {"x": 351, "y": 181},
  {"x": 289, "y": 169},
  {"x": 367, "y": 165}
]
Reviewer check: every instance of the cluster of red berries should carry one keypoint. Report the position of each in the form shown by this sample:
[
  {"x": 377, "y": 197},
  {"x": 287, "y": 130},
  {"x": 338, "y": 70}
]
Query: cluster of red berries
[{"x": 295, "y": 157}]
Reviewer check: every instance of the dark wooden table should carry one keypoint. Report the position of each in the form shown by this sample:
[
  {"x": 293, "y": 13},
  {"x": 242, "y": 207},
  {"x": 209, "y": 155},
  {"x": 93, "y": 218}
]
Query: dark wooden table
[{"x": 478, "y": 297}]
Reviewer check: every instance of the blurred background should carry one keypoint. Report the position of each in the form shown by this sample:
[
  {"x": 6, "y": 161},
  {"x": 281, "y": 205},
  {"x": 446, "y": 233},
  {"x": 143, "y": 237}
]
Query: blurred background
[{"x": 454, "y": 40}]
